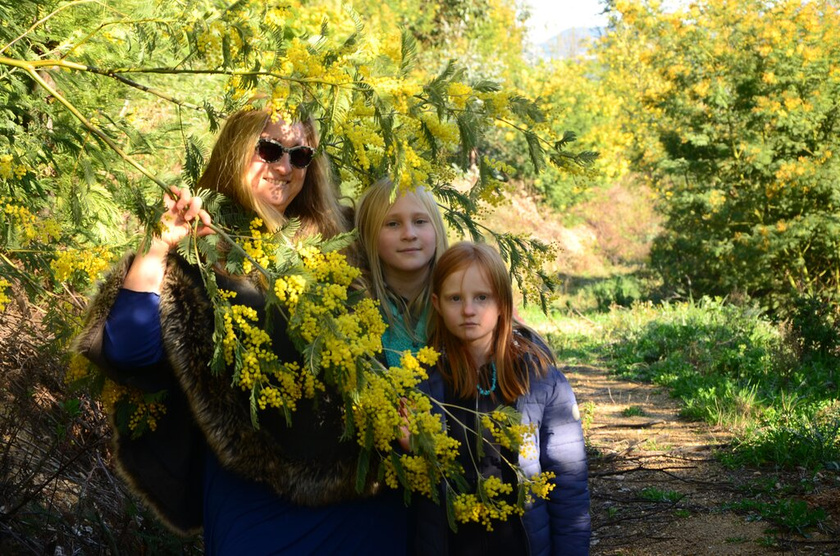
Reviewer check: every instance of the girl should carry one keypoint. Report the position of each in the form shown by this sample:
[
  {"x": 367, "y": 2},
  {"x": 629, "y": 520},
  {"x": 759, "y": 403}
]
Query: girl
[
  {"x": 400, "y": 241},
  {"x": 266, "y": 491},
  {"x": 489, "y": 359}
]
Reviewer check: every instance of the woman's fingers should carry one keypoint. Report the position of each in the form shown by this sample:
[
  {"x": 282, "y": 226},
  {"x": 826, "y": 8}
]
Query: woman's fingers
[
  {"x": 183, "y": 208},
  {"x": 205, "y": 229},
  {"x": 184, "y": 199},
  {"x": 192, "y": 207}
]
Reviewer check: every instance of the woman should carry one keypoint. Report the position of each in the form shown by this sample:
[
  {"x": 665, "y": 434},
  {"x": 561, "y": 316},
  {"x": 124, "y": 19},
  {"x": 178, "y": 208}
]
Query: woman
[
  {"x": 488, "y": 360},
  {"x": 257, "y": 491}
]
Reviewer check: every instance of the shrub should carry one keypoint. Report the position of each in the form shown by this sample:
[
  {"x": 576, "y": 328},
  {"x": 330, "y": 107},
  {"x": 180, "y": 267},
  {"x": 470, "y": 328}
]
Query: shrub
[{"x": 742, "y": 96}]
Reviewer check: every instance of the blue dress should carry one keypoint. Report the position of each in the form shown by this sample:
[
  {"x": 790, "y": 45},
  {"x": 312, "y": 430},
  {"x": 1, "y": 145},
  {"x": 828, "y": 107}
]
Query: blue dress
[{"x": 242, "y": 516}]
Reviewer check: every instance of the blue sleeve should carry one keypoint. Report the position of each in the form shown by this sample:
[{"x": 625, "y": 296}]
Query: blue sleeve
[
  {"x": 132, "y": 335},
  {"x": 562, "y": 451}
]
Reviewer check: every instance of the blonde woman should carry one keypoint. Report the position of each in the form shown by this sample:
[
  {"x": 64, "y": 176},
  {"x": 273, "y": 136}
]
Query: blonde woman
[{"x": 275, "y": 489}]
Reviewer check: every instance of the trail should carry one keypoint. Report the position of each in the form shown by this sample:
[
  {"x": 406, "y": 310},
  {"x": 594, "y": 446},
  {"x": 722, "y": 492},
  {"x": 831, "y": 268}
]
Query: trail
[{"x": 657, "y": 488}]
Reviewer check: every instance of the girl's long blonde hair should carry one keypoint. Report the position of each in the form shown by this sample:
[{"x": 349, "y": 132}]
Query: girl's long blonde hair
[
  {"x": 370, "y": 215},
  {"x": 514, "y": 355},
  {"x": 316, "y": 206}
]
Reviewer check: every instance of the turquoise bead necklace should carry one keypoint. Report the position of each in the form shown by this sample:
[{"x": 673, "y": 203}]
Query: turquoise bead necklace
[{"x": 492, "y": 388}]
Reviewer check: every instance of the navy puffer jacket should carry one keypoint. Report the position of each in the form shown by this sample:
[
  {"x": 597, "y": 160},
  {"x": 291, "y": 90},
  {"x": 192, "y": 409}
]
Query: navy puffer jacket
[{"x": 561, "y": 524}]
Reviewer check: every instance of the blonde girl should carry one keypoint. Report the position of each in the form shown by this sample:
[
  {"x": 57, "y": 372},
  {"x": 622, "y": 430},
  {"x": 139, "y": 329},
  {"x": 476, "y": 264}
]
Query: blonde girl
[{"x": 400, "y": 240}]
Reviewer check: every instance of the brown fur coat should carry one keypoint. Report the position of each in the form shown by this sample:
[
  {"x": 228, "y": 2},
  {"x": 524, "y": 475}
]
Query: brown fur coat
[{"x": 305, "y": 463}]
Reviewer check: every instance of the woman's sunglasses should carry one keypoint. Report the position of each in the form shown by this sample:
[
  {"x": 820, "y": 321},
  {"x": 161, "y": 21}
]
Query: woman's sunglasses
[{"x": 271, "y": 151}]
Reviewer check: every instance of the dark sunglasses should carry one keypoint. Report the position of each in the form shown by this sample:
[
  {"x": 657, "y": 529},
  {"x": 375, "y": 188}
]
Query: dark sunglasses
[{"x": 271, "y": 151}]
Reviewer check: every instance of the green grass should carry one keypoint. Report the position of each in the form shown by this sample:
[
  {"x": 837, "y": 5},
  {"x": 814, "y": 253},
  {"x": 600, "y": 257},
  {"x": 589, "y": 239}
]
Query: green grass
[
  {"x": 728, "y": 365},
  {"x": 633, "y": 411},
  {"x": 654, "y": 494},
  {"x": 787, "y": 514}
]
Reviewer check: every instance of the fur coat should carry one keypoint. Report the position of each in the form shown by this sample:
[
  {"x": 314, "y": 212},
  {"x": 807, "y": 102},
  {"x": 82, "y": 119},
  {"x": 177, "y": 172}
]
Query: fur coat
[{"x": 306, "y": 463}]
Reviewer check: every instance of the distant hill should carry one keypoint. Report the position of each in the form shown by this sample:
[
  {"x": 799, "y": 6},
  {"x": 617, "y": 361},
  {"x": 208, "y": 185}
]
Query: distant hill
[{"x": 569, "y": 43}]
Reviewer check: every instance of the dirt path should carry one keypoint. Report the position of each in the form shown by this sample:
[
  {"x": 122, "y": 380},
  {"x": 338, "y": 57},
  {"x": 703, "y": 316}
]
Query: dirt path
[{"x": 656, "y": 487}]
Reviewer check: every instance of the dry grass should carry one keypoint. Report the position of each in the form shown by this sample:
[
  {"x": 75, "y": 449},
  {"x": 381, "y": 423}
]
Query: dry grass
[
  {"x": 599, "y": 242},
  {"x": 614, "y": 229},
  {"x": 58, "y": 493}
]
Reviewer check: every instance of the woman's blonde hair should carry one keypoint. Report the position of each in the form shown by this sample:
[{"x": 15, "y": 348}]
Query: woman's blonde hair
[
  {"x": 316, "y": 206},
  {"x": 509, "y": 352},
  {"x": 370, "y": 215}
]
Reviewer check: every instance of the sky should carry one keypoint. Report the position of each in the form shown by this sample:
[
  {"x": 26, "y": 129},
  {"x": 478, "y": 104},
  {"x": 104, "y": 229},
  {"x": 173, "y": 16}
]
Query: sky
[{"x": 549, "y": 17}]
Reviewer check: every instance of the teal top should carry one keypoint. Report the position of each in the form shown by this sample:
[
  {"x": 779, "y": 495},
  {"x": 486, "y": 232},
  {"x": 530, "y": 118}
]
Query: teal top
[{"x": 398, "y": 339}]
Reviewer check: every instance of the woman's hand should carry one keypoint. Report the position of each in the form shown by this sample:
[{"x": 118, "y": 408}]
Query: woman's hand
[
  {"x": 405, "y": 438},
  {"x": 182, "y": 208}
]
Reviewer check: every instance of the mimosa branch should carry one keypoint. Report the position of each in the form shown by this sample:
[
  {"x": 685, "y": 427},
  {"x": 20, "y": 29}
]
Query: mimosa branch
[{"x": 29, "y": 67}]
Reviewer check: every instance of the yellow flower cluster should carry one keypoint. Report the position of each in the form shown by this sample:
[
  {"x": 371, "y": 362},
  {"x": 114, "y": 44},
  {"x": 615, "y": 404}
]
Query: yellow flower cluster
[
  {"x": 78, "y": 369},
  {"x": 19, "y": 215},
  {"x": 255, "y": 247},
  {"x": 91, "y": 262},
  {"x": 258, "y": 369},
  {"x": 444, "y": 131},
  {"x": 485, "y": 506},
  {"x": 496, "y": 104},
  {"x": 415, "y": 168},
  {"x": 421, "y": 421},
  {"x": 4, "y": 298},
  {"x": 507, "y": 433},
  {"x": 377, "y": 409},
  {"x": 368, "y": 145},
  {"x": 401, "y": 92},
  {"x": 45, "y": 231},
  {"x": 303, "y": 61},
  {"x": 416, "y": 470},
  {"x": 376, "y": 412},
  {"x": 459, "y": 94},
  {"x": 345, "y": 338},
  {"x": 291, "y": 384},
  {"x": 469, "y": 507},
  {"x": 499, "y": 165},
  {"x": 9, "y": 169},
  {"x": 541, "y": 485},
  {"x": 389, "y": 401},
  {"x": 211, "y": 39},
  {"x": 331, "y": 267},
  {"x": 252, "y": 343},
  {"x": 283, "y": 107},
  {"x": 226, "y": 294},
  {"x": 289, "y": 288},
  {"x": 145, "y": 413},
  {"x": 276, "y": 16},
  {"x": 427, "y": 356}
]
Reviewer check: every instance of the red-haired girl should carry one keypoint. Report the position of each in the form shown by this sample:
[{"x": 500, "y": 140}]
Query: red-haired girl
[{"x": 488, "y": 359}]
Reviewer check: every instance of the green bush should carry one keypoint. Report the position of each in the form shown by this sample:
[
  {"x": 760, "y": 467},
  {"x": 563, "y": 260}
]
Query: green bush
[
  {"x": 806, "y": 437},
  {"x": 618, "y": 290},
  {"x": 814, "y": 325},
  {"x": 743, "y": 96},
  {"x": 788, "y": 514},
  {"x": 725, "y": 364}
]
